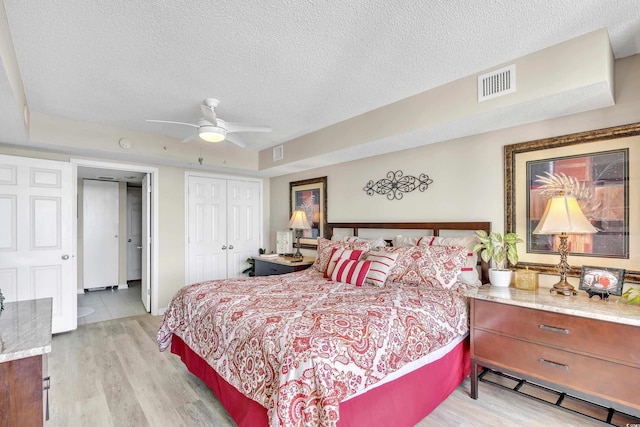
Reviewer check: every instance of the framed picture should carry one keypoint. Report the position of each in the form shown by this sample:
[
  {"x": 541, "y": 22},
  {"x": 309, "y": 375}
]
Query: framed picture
[
  {"x": 601, "y": 281},
  {"x": 600, "y": 182},
  {"x": 602, "y": 169},
  {"x": 310, "y": 196}
]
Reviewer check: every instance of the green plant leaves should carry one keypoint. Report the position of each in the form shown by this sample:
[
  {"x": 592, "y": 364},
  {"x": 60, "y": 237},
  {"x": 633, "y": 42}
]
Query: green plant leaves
[{"x": 495, "y": 246}]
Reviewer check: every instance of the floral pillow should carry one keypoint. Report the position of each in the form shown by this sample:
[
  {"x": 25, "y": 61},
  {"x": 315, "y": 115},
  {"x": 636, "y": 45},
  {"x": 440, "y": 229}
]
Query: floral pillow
[
  {"x": 469, "y": 272},
  {"x": 325, "y": 249},
  {"x": 437, "y": 266}
]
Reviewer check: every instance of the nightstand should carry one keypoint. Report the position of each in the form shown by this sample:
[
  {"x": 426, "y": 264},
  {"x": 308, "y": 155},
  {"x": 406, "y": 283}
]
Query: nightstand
[
  {"x": 274, "y": 266},
  {"x": 584, "y": 347}
]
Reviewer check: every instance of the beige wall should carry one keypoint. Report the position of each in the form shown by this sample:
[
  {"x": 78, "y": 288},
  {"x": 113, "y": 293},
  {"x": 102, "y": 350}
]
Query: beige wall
[{"x": 468, "y": 173}]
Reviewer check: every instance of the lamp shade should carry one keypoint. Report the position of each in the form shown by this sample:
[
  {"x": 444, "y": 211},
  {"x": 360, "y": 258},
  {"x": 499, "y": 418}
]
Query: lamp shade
[
  {"x": 563, "y": 215},
  {"x": 299, "y": 220}
]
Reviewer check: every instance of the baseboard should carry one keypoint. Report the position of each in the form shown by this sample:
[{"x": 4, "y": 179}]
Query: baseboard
[{"x": 80, "y": 291}]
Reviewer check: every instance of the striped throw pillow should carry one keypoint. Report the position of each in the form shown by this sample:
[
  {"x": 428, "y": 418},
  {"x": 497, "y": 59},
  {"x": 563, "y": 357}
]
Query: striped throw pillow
[
  {"x": 350, "y": 271},
  {"x": 339, "y": 253},
  {"x": 381, "y": 264}
]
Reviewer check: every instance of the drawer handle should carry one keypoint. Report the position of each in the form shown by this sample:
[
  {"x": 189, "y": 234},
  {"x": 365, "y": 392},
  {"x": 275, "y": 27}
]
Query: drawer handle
[
  {"x": 47, "y": 386},
  {"x": 553, "y": 329},
  {"x": 554, "y": 364}
]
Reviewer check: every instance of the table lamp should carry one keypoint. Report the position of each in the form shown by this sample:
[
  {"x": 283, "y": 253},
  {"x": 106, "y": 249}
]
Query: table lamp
[
  {"x": 563, "y": 216},
  {"x": 298, "y": 222}
]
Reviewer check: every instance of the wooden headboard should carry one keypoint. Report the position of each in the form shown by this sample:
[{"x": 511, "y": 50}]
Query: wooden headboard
[{"x": 434, "y": 228}]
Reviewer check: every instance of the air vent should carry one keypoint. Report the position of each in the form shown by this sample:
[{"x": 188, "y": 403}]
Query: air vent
[
  {"x": 497, "y": 83},
  {"x": 278, "y": 153}
]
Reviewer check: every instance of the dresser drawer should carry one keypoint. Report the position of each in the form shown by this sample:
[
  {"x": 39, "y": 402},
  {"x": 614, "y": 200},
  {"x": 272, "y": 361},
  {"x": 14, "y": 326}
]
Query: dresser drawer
[
  {"x": 612, "y": 341},
  {"x": 264, "y": 268},
  {"x": 602, "y": 378}
]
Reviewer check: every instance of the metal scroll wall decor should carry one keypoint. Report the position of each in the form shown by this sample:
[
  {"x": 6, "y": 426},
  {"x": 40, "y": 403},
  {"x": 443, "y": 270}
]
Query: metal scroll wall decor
[{"x": 396, "y": 184}]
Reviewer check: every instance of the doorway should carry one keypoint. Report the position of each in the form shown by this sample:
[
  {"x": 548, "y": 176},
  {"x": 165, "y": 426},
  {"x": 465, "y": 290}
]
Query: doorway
[{"x": 135, "y": 178}]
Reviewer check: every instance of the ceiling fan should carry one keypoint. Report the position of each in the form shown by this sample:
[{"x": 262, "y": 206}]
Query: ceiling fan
[{"x": 213, "y": 129}]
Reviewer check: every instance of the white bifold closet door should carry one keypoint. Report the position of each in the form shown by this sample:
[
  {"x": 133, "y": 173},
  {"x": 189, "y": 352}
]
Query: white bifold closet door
[
  {"x": 223, "y": 227},
  {"x": 100, "y": 233}
]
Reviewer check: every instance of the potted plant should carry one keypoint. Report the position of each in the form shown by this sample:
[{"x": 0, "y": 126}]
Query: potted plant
[
  {"x": 631, "y": 296},
  {"x": 496, "y": 250}
]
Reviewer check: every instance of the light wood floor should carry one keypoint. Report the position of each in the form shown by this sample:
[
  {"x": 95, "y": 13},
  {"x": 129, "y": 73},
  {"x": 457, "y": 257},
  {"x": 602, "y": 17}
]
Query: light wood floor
[{"x": 112, "y": 374}]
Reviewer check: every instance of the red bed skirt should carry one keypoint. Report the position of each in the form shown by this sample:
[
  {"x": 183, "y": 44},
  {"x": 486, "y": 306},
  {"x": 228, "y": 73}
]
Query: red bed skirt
[{"x": 401, "y": 402}]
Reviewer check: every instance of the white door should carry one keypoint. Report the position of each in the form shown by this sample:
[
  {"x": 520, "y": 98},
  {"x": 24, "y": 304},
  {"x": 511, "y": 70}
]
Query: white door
[
  {"x": 145, "y": 282},
  {"x": 100, "y": 227},
  {"x": 243, "y": 224},
  {"x": 134, "y": 233},
  {"x": 207, "y": 239},
  {"x": 37, "y": 248}
]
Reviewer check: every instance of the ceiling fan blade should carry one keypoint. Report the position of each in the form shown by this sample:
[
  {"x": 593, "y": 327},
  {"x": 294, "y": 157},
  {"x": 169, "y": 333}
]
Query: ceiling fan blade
[
  {"x": 235, "y": 139},
  {"x": 189, "y": 138},
  {"x": 208, "y": 113},
  {"x": 244, "y": 127},
  {"x": 173, "y": 123}
]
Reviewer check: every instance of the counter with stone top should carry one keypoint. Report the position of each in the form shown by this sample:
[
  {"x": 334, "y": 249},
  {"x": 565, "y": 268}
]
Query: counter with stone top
[
  {"x": 25, "y": 329},
  {"x": 580, "y": 305},
  {"x": 25, "y": 341}
]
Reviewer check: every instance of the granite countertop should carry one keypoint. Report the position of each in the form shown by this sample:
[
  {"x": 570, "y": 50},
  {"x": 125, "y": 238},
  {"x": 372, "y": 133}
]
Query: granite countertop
[
  {"x": 580, "y": 305},
  {"x": 25, "y": 329}
]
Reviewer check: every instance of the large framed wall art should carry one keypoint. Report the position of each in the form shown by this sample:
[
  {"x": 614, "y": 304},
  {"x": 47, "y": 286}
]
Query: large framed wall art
[
  {"x": 602, "y": 169},
  {"x": 311, "y": 196}
]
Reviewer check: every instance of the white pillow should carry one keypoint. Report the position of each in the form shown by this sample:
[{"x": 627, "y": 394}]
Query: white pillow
[{"x": 376, "y": 243}]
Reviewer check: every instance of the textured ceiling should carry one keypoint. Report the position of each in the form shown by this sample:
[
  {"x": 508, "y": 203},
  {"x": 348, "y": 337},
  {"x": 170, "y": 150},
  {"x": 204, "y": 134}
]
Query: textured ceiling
[{"x": 297, "y": 66}]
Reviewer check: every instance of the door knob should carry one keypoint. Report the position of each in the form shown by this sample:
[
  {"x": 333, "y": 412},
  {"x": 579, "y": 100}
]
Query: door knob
[
  {"x": 129, "y": 240},
  {"x": 230, "y": 246},
  {"x": 224, "y": 247},
  {"x": 65, "y": 257}
]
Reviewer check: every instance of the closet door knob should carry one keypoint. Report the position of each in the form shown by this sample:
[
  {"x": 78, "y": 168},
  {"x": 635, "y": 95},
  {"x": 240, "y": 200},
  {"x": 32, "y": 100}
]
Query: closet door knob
[
  {"x": 230, "y": 246},
  {"x": 224, "y": 247}
]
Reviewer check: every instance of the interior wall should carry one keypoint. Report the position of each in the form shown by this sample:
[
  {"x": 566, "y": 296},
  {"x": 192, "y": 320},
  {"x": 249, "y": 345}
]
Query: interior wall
[
  {"x": 171, "y": 222},
  {"x": 468, "y": 173}
]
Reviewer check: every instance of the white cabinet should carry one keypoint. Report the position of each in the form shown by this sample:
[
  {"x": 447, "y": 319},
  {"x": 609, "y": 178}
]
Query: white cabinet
[{"x": 223, "y": 226}]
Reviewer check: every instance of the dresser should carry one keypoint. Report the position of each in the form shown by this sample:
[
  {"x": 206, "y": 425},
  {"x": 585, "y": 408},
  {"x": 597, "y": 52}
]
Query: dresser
[
  {"x": 273, "y": 266},
  {"x": 25, "y": 341},
  {"x": 589, "y": 348}
]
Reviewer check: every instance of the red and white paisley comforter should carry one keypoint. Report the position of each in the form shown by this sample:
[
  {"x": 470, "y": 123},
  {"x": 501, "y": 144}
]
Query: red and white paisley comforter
[{"x": 299, "y": 344}]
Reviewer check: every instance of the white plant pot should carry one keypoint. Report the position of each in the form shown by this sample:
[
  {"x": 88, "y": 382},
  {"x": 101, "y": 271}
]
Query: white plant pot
[{"x": 500, "y": 278}]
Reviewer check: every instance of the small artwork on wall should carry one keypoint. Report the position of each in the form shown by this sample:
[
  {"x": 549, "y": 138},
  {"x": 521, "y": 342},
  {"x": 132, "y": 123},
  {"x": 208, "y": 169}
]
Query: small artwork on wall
[
  {"x": 310, "y": 196},
  {"x": 601, "y": 281}
]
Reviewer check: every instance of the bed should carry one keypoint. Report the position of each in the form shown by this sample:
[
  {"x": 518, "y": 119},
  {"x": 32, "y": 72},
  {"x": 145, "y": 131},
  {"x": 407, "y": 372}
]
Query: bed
[{"x": 354, "y": 340}]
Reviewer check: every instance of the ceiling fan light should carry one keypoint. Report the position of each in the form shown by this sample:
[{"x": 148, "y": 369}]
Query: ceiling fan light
[{"x": 212, "y": 133}]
